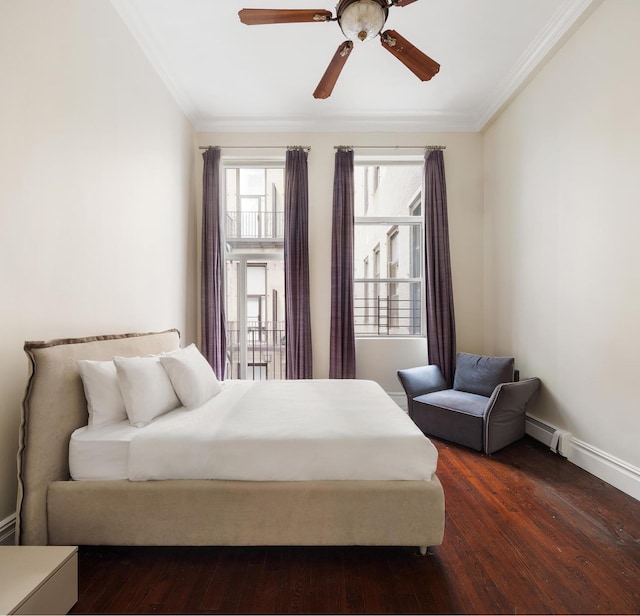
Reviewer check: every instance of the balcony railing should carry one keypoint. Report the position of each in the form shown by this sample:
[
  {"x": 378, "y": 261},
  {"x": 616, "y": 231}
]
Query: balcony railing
[
  {"x": 255, "y": 225},
  {"x": 387, "y": 307},
  {"x": 386, "y": 316},
  {"x": 265, "y": 352}
]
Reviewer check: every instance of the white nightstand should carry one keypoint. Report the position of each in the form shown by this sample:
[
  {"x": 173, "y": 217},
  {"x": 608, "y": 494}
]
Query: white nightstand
[{"x": 38, "y": 579}]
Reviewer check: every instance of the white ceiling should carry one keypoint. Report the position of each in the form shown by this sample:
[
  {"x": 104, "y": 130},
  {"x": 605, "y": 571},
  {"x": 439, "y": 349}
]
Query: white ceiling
[{"x": 227, "y": 76}]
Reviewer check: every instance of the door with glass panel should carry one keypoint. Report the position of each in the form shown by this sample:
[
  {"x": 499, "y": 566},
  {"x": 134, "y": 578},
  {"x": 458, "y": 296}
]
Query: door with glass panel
[{"x": 255, "y": 272}]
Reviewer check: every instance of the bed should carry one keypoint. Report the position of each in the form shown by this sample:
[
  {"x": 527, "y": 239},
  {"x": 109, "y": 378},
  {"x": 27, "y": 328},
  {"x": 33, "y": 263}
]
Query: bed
[{"x": 253, "y": 506}]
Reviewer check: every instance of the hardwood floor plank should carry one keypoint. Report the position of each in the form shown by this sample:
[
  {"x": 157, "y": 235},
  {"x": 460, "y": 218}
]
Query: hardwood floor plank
[
  {"x": 543, "y": 561},
  {"x": 327, "y": 583},
  {"x": 585, "y": 543},
  {"x": 486, "y": 525},
  {"x": 526, "y": 532},
  {"x": 270, "y": 589}
]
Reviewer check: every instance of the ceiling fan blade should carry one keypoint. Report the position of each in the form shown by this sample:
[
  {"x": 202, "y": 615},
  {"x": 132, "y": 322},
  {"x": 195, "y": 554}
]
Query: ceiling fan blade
[
  {"x": 417, "y": 62},
  {"x": 401, "y": 2},
  {"x": 253, "y": 17},
  {"x": 328, "y": 81}
]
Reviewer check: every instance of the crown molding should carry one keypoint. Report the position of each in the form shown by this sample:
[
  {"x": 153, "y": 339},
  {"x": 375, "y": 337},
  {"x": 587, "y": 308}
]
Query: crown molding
[
  {"x": 560, "y": 27},
  {"x": 140, "y": 32},
  {"x": 380, "y": 122}
]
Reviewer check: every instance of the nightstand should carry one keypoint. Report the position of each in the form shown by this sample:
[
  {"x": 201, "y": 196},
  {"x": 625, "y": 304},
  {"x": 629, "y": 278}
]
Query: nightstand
[{"x": 38, "y": 579}]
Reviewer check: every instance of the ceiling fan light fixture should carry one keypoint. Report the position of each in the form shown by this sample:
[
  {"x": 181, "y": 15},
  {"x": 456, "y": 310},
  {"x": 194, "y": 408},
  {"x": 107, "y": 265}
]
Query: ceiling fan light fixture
[
  {"x": 362, "y": 20},
  {"x": 359, "y": 20}
]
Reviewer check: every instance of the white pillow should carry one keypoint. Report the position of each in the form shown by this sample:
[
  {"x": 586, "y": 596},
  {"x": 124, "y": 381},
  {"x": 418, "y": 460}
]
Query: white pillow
[
  {"x": 191, "y": 375},
  {"x": 146, "y": 388},
  {"x": 102, "y": 391}
]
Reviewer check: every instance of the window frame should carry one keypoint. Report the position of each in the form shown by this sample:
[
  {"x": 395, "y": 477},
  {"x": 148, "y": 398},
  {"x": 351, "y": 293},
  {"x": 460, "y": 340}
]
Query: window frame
[
  {"x": 248, "y": 256},
  {"x": 237, "y": 164},
  {"x": 392, "y": 224}
]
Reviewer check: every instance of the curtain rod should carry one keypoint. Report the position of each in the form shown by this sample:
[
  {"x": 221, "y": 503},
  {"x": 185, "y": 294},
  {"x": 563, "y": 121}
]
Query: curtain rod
[
  {"x": 256, "y": 147},
  {"x": 335, "y": 147},
  {"x": 390, "y": 147}
]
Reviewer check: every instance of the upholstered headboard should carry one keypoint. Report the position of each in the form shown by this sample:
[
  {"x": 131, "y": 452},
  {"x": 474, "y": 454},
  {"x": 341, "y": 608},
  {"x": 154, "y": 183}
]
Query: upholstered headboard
[{"x": 54, "y": 406}]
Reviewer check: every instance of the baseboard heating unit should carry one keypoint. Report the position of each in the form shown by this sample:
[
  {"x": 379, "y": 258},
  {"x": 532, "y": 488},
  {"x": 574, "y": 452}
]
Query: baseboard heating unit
[{"x": 557, "y": 440}]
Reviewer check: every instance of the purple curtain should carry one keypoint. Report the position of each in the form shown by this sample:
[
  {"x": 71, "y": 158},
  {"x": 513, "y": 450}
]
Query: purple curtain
[
  {"x": 342, "y": 349},
  {"x": 441, "y": 326},
  {"x": 296, "y": 265},
  {"x": 214, "y": 327}
]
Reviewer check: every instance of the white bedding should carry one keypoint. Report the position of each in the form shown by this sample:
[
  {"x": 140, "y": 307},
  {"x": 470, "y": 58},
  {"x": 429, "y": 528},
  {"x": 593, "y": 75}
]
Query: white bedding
[
  {"x": 269, "y": 431},
  {"x": 101, "y": 452}
]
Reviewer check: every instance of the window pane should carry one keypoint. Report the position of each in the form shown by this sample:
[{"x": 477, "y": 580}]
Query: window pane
[
  {"x": 233, "y": 340},
  {"x": 256, "y": 279},
  {"x": 231, "y": 188},
  {"x": 255, "y": 203},
  {"x": 253, "y": 310},
  {"x": 275, "y": 190},
  {"x": 250, "y": 204},
  {"x": 387, "y": 190},
  {"x": 387, "y": 309},
  {"x": 231, "y": 284},
  {"x": 395, "y": 255},
  {"x": 252, "y": 181}
]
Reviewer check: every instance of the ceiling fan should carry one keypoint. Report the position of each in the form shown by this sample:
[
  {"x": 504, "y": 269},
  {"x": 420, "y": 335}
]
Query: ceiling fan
[{"x": 359, "y": 20}]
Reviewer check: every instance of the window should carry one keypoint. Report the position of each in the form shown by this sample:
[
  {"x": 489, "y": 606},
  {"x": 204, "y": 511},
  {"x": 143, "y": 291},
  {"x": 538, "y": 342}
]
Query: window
[
  {"x": 254, "y": 241},
  {"x": 388, "y": 270},
  {"x": 254, "y": 203}
]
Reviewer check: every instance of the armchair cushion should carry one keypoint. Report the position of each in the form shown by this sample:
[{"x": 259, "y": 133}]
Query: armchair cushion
[
  {"x": 421, "y": 380},
  {"x": 479, "y": 374},
  {"x": 453, "y": 425},
  {"x": 461, "y": 401},
  {"x": 505, "y": 421}
]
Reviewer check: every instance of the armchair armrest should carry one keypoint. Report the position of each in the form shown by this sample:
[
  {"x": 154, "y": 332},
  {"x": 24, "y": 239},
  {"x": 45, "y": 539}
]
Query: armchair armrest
[
  {"x": 421, "y": 380},
  {"x": 505, "y": 416}
]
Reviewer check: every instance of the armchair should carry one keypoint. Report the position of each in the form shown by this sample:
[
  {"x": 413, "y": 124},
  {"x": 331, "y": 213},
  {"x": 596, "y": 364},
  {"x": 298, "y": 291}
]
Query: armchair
[{"x": 486, "y": 408}]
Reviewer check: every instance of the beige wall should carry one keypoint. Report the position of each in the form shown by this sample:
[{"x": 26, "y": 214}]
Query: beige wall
[
  {"x": 96, "y": 192},
  {"x": 562, "y": 217},
  {"x": 463, "y": 161}
]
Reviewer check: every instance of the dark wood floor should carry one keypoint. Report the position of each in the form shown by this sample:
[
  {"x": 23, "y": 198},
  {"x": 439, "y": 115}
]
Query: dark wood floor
[{"x": 526, "y": 532}]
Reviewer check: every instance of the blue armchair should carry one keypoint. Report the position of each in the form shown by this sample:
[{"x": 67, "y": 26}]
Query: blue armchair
[{"x": 486, "y": 408}]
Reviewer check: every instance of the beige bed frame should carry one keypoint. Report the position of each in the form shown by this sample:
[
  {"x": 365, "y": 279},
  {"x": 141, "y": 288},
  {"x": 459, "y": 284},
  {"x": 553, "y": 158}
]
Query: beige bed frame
[{"x": 53, "y": 510}]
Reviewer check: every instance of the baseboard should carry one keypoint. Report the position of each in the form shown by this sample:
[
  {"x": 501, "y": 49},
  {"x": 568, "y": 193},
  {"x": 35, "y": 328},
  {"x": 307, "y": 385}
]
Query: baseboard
[
  {"x": 610, "y": 469},
  {"x": 614, "y": 471},
  {"x": 8, "y": 530}
]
